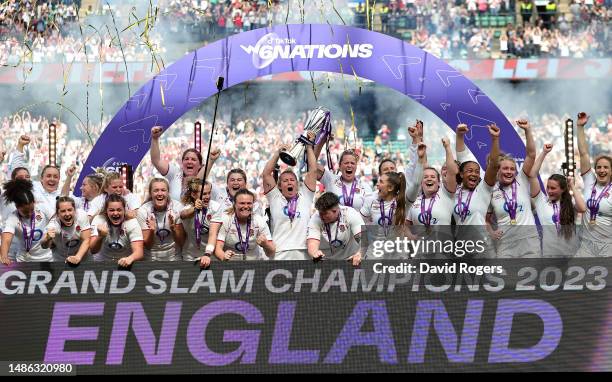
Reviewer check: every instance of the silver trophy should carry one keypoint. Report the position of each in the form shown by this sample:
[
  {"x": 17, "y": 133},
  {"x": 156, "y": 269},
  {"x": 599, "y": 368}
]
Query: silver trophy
[{"x": 319, "y": 122}]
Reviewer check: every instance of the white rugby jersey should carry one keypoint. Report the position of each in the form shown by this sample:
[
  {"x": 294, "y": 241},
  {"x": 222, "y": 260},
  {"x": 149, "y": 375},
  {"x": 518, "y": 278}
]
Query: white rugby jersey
[
  {"x": 118, "y": 243},
  {"x": 164, "y": 247},
  {"x": 228, "y": 234},
  {"x": 341, "y": 233},
  {"x": 34, "y": 230},
  {"x": 524, "y": 213},
  {"x": 554, "y": 243},
  {"x": 174, "y": 176},
  {"x": 287, "y": 234},
  {"x": 190, "y": 249},
  {"x": 221, "y": 196},
  {"x": 601, "y": 231},
  {"x": 372, "y": 213},
  {"x": 333, "y": 183},
  {"x": 474, "y": 206},
  {"x": 67, "y": 240},
  {"x": 441, "y": 208},
  {"x": 44, "y": 198}
]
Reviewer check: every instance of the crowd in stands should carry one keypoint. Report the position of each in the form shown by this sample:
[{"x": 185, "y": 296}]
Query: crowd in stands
[{"x": 48, "y": 31}]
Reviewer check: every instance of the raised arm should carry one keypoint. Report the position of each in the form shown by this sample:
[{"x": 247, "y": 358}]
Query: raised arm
[
  {"x": 215, "y": 153},
  {"x": 530, "y": 145},
  {"x": 451, "y": 167},
  {"x": 17, "y": 157},
  {"x": 534, "y": 184},
  {"x": 69, "y": 174},
  {"x": 161, "y": 165},
  {"x": 413, "y": 186},
  {"x": 491, "y": 172},
  {"x": 267, "y": 174},
  {"x": 310, "y": 180},
  {"x": 583, "y": 147}
]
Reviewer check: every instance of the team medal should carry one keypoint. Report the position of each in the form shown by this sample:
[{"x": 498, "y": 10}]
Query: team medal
[
  {"x": 335, "y": 243},
  {"x": 348, "y": 198},
  {"x": 511, "y": 205},
  {"x": 593, "y": 202},
  {"x": 243, "y": 246},
  {"x": 162, "y": 233},
  {"x": 28, "y": 239},
  {"x": 386, "y": 221},
  {"x": 463, "y": 209}
]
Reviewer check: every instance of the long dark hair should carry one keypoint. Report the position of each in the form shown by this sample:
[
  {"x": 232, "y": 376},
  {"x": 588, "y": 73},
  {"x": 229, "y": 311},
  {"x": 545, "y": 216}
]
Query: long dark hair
[
  {"x": 567, "y": 215},
  {"x": 113, "y": 198},
  {"x": 398, "y": 181},
  {"x": 18, "y": 191}
]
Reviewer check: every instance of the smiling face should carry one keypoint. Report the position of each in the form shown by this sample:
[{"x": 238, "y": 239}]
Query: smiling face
[
  {"x": 288, "y": 185},
  {"x": 88, "y": 189},
  {"x": 159, "y": 195},
  {"x": 190, "y": 163},
  {"x": 603, "y": 171},
  {"x": 431, "y": 182},
  {"x": 471, "y": 175},
  {"x": 50, "y": 179},
  {"x": 348, "y": 167},
  {"x": 330, "y": 215},
  {"x": 115, "y": 213},
  {"x": 243, "y": 205},
  {"x": 507, "y": 172},
  {"x": 66, "y": 213},
  {"x": 387, "y": 167},
  {"x": 115, "y": 187},
  {"x": 22, "y": 174},
  {"x": 195, "y": 194},
  {"x": 384, "y": 186},
  {"x": 554, "y": 190},
  {"x": 235, "y": 182}
]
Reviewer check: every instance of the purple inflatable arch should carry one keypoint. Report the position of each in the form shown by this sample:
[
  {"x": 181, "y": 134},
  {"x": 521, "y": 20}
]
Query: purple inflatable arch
[{"x": 301, "y": 47}]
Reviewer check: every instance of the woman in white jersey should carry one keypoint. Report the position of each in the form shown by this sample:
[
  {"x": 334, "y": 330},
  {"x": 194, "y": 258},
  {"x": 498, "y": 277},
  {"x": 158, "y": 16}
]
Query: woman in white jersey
[
  {"x": 334, "y": 231},
  {"x": 516, "y": 235},
  {"x": 25, "y": 225},
  {"x": 416, "y": 164},
  {"x": 290, "y": 206},
  {"x": 196, "y": 216},
  {"x": 351, "y": 189},
  {"x": 435, "y": 204},
  {"x": 90, "y": 189},
  {"x": 242, "y": 233},
  {"x": 160, "y": 221},
  {"x": 7, "y": 208},
  {"x": 46, "y": 190},
  {"x": 473, "y": 196},
  {"x": 596, "y": 237},
  {"x": 113, "y": 237},
  {"x": 113, "y": 184},
  {"x": 556, "y": 210},
  {"x": 191, "y": 165},
  {"x": 68, "y": 233}
]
